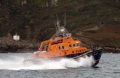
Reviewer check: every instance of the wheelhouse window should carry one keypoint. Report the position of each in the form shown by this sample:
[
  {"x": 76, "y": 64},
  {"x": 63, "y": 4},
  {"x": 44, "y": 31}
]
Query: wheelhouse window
[
  {"x": 78, "y": 44},
  {"x": 70, "y": 45},
  {"x": 60, "y": 47},
  {"x": 73, "y": 45}
]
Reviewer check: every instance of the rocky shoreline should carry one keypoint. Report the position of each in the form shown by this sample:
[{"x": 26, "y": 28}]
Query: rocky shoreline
[
  {"x": 7, "y": 44},
  {"x": 111, "y": 50}
]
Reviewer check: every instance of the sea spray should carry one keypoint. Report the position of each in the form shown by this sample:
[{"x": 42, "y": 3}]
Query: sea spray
[{"x": 16, "y": 63}]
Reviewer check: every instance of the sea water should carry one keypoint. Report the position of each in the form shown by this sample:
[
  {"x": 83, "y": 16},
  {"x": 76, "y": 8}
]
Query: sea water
[{"x": 12, "y": 66}]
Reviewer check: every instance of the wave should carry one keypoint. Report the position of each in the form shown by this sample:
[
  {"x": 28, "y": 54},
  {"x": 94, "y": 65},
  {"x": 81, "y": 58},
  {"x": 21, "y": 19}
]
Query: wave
[{"x": 16, "y": 63}]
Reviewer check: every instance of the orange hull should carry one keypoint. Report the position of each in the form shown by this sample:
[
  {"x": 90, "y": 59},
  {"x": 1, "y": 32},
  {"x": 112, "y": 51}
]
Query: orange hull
[{"x": 67, "y": 46}]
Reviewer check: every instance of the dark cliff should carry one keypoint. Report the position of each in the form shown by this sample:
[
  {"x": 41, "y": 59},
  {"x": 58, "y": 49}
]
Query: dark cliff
[{"x": 91, "y": 21}]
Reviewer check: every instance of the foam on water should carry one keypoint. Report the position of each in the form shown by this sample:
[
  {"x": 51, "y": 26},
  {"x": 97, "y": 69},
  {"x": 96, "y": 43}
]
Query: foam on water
[{"x": 16, "y": 63}]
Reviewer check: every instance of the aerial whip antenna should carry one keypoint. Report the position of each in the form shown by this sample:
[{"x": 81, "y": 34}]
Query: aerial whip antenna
[
  {"x": 58, "y": 23},
  {"x": 65, "y": 20},
  {"x": 56, "y": 26}
]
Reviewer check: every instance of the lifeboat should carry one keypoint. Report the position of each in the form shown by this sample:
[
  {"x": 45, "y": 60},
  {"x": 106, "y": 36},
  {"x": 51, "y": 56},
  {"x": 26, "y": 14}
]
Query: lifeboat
[{"x": 63, "y": 45}]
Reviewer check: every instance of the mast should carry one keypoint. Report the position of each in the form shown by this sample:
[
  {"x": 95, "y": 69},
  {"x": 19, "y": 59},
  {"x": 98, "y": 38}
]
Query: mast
[
  {"x": 58, "y": 23},
  {"x": 65, "y": 20},
  {"x": 60, "y": 30}
]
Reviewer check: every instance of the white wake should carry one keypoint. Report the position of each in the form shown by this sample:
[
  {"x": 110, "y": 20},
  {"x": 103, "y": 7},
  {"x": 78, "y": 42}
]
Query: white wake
[{"x": 16, "y": 63}]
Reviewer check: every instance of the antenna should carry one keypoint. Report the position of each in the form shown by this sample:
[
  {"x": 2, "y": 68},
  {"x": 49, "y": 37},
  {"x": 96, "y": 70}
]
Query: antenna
[
  {"x": 65, "y": 20},
  {"x": 56, "y": 26},
  {"x": 58, "y": 22}
]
